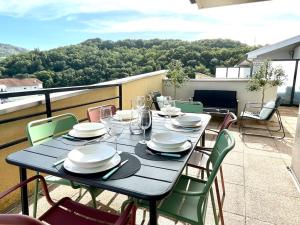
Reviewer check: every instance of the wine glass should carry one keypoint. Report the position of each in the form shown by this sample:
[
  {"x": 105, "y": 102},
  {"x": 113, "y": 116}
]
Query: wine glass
[
  {"x": 169, "y": 105},
  {"x": 113, "y": 129},
  {"x": 140, "y": 102},
  {"x": 144, "y": 120}
]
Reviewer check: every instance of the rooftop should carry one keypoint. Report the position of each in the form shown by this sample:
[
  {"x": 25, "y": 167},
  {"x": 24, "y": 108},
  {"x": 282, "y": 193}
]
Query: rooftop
[
  {"x": 13, "y": 82},
  {"x": 259, "y": 188}
]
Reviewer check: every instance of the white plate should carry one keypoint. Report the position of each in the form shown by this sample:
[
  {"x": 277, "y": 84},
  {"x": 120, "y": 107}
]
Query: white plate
[
  {"x": 157, "y": 148},
  {"x": 92, "y": 155},
  {"x": 168, "y": 114},
  {"x": 180, "y": 129},
  {"x": 68, "y": 165},
  {"x": 168, "y": 140},
  {"x": 75, "y": 133},
  {"x": 175, "y": 123},
  {"x": 88, "y": 127},
  {"x": 188, "y": 120}
]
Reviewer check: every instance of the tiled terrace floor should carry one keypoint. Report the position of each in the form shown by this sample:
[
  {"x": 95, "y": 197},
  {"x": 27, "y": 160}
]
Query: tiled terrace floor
[{"x": 259, "y": 188}]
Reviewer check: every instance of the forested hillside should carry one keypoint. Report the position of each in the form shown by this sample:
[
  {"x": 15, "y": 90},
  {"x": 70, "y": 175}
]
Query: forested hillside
[
  {"x": 96, "y": 60},
  {"x": 6, "y": 50}
]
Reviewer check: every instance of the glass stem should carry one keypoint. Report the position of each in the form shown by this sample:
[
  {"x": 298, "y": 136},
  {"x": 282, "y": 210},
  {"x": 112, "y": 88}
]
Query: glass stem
[
  {"x": 116, "y": 141},
  {"x": 144, "y": 135}
]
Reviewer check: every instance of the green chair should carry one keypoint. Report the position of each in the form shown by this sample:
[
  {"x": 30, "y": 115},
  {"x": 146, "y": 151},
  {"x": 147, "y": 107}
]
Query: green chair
[
  {"x": 188, "y": 200},
  {"x": 189, "y": 106},
  {"x": 40, "y": 131}
]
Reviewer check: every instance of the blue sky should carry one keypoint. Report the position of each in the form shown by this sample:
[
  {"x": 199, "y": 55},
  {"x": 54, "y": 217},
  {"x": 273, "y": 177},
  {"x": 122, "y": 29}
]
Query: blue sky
[{"x": 46, "y": 24}]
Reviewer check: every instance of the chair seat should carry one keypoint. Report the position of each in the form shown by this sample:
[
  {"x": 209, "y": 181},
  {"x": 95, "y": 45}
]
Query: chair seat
[
  {"x": 250, "y": 115},
  {"x": 67, "y": 212},
  {"x": 180, "y": 206}
]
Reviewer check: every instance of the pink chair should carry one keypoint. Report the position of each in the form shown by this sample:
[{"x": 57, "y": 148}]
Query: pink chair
[
  {"x": 93, "y": 113},
  {"x": 66, "y": 211}
]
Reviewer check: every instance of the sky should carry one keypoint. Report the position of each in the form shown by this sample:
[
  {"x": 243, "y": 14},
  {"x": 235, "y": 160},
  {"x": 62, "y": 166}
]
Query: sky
[{"x": 47, "y": 24}]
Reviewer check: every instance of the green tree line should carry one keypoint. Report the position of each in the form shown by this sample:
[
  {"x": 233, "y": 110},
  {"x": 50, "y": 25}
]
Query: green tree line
[{"x": 97, "y": 60}]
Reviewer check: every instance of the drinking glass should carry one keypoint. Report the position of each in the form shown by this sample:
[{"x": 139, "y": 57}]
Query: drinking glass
[
  {"x": 114, "y": 129},
  {"x": 144, "y": 120},
  {"x": 134, "y": 124},
  {"x": 169, "y": 105},
  {"x": 140, "y": 102}
]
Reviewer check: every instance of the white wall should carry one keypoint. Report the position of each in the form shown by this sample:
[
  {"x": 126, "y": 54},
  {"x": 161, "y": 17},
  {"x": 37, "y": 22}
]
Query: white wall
[
  {"x": 24, "y": 88},
  {"x": 238, "y": 85},
  {"x": 297, "y": 52},
  {"x": 296, "y": 152}
]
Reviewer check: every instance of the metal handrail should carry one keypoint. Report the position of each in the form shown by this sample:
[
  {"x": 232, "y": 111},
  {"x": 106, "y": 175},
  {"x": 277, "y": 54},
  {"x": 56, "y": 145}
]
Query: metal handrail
[{"x": 48, "y": 111}]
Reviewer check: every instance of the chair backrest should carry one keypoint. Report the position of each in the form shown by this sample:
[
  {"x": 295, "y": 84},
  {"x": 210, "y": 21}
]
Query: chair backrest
[
  {"x": 277, "y": 104},
  {"x": 39, "y": 131},
  {"x": 229, "y": 119},
  {"x": 216, "y": 98},
  {"x": 224, "y": 143},
  {"x": 189, "y": 107},
  {"x": 94, "y": 115}
]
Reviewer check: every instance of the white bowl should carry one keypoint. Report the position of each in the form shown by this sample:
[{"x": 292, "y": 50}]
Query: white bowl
[
  {"x": 88, "y": 127},
  {"x": 90, "y": 156},
  {"x": 188, "y": 120},
  {"x": 168, "y": 140},
  {"x": 78, "y": 134},
  {"x": 181, "y": 148},
  {"x": 74, "y": 168}
]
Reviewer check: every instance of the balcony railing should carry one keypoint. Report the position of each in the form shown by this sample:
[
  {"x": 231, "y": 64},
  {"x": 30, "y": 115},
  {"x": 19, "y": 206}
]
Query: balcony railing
[{"x": 48, "y": 106}]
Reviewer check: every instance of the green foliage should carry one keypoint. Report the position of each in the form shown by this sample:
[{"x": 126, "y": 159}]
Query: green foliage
[
  {"x": 96, "y": 60},
  {"x": 265, "y": 77},
  {"x": 176, "y": 75}
]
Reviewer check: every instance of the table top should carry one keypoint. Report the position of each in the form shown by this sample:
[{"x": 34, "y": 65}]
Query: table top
[{"x": 154, "y": 180}]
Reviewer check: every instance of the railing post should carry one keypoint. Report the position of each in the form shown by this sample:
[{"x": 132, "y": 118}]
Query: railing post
[
  {"x": 48, "y": 104},
  {"x": 120, "y": 96}
]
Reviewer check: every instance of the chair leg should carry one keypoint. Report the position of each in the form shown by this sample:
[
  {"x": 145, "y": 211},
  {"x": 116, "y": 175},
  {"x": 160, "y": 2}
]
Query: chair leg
[
  {"x": 35, "y": 197},
  {"x": 133, "y": 215},
  {"x": 93, "y": 199},
  {"x": 214, "y": 206},
  {"x": 223, "y": 184},
  {"x": 220, "y": 205}
]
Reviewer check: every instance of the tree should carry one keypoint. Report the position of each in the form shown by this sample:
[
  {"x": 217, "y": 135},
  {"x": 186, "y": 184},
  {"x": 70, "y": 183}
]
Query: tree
[
  {"x": 265, "y": 77},
  {"x": 176, "y": 76}
]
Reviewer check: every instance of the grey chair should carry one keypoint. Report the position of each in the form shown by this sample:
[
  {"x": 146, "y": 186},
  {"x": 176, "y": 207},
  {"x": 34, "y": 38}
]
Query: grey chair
[{"x": 264, "y": 114}]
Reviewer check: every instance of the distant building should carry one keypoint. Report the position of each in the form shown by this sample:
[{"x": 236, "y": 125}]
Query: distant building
[{"x": 13, "y": 84}]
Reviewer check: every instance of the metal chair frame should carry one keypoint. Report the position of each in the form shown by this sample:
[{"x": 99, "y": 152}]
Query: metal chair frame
[{"x": 275, "y": 111}]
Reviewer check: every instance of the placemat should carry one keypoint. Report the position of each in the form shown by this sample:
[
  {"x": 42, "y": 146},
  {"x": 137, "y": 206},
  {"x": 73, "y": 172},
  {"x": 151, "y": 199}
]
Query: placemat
[
  {"x": 128, "y": 169},
  {"x": 141, "y": 151}
]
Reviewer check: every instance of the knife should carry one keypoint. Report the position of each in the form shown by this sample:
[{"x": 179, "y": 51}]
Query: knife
[
  {"x": 110, "y": 173},
  {"x": 168, "y": 154},
  {"x": 59, "y": 162}
]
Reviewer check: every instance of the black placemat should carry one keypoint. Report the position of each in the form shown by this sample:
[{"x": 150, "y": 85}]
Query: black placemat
[
  {"x": 141, "y": 151},
  {"x": 128, "y": 169}
]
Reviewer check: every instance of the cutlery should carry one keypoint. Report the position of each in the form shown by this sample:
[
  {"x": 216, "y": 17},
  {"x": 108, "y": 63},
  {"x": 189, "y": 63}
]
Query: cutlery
[
  {"x": 163, "y": 154},
  {"x": 97, "y": 140},
  {"x": 110, "y": 173},
  {"x": 66, "y": 136},
  {"x": 59, "y": 162}
]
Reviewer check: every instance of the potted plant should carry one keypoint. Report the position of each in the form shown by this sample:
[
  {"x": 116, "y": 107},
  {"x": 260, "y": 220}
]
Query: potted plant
[
  {"x": 265, "y": 77},
  {"x": 176, "y": 76}
]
